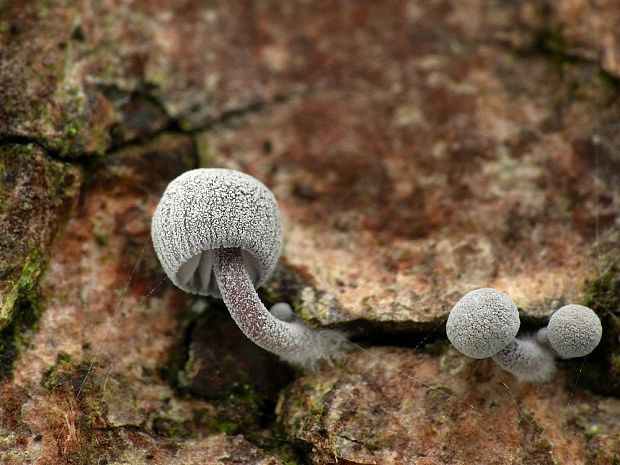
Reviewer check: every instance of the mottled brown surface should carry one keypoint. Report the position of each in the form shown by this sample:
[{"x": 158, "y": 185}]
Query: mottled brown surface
[
  {"x": 589, "y": 30},
  {"x": 222, "y": 361},
  {"x": 447, "y": 169},
  {"x": 89, "y": 65},
  {"x": 417, "y": 149},
  {"x": 94, "y": 382},
  {"x": 394, "y": 406}
]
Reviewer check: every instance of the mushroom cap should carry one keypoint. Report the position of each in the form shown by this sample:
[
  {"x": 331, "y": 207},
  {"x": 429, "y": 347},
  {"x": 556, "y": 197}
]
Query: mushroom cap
[
  {"x": 211, "y": 208},
  {"x": 283, "y": 311},
  {"x": 482, "y": 323},
  {"x": 574, "y": 331}
]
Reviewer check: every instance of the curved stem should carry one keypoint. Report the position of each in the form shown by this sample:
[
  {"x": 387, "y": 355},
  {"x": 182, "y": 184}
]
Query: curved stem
[{"x": 244, "y": 305}]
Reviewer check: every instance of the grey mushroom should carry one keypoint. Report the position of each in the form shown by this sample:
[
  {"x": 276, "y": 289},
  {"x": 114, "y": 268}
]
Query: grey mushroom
[
  {"x": 218, "y": 232},
  {"x": 574, "y": 331},
  {"x": 282, "y": 311},
  {"x": 484, "y": 323}
]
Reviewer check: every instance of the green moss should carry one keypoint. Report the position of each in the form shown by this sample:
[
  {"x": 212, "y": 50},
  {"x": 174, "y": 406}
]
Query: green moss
[
  {"x": 206, "y": 158},
  {"x": 171, "y": 428},
  {"x": 43, "y": 8},
  {"x": 77, "y": 376},
  {"x": 72, "y": 129},
  {"x": 603, "y": 294},
  {"x": 58, "y": 180},
  {"x": 22, "y": 299},
  {"x": 275, "y": 441},
  {"x": 67, "y": 145},
  {"x": 216, "y": 425},
  {"x": 607, "y": 81},
  {"x": 73, "y": 123},
  {"x": 18, "y": 150},
  {"x": 101, "y": 238},
  {"x": 8, "y": 352},
  {"x": 285, "y": 451},
  {"x": 247, "y": 395},
  {"x": 242, "y": 397},
  {"x": 23, "y": 261},
  {"x": 593, "y": 431},
  {"x": 56, "y": 375},
  {"x": 552, "y": 44}
]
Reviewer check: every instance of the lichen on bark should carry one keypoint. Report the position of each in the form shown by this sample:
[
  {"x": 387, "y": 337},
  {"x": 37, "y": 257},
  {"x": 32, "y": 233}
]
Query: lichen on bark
[{"x": 36, "y": 194}]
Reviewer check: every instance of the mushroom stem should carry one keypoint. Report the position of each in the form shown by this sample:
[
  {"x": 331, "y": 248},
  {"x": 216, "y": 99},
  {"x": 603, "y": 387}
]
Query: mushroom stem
[
  {"x": 527, "y": 360},
  {"x": 258, "y": 324}
]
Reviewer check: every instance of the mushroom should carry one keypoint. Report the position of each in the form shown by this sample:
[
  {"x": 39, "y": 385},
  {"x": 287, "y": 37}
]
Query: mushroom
[
  {"x": 218, "y": 232},
  {"x": 484, "y": 323},
  {"x": 573, "y": 331},
  {"x": 282, "y": 311}
]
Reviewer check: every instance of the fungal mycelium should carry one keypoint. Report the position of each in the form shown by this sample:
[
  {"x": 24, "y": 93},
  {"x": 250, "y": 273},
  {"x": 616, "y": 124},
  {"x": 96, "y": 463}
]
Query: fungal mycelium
[{"x": 218, "y": 232}]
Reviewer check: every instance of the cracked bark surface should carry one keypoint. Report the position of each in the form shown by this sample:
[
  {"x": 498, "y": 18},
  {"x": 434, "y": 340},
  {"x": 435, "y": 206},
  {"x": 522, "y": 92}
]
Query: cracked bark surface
[{"x": 417, "y": 149}]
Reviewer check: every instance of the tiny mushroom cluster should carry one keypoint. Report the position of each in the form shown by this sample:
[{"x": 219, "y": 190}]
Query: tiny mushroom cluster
[
  {"x": 485, "y": 322},
  {"x": 217, "y": 232}
]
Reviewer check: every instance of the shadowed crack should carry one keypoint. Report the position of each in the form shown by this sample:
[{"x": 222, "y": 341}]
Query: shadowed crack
[{"x": 172, "y": 125}]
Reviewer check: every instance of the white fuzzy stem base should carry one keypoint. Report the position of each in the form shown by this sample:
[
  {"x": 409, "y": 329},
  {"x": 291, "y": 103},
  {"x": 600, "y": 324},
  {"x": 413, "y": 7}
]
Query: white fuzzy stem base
[{"x": 527, "y": 360}]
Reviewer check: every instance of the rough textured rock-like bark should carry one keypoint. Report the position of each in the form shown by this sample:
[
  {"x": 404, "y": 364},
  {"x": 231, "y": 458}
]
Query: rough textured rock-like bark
[
  {"x": 36, "y": 193},
  {"x": 417, "y": 150},
  {"x": 392, "y": 406}
]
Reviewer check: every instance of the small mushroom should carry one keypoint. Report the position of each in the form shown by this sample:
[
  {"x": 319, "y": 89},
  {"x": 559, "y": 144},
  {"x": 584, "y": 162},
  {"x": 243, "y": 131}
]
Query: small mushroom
[
  {"x": 484, "y": 323},
  {"x": 574, "y": 331},
  {"x": 218, "y": 232},
  {"x": 282, "y": 311}
]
